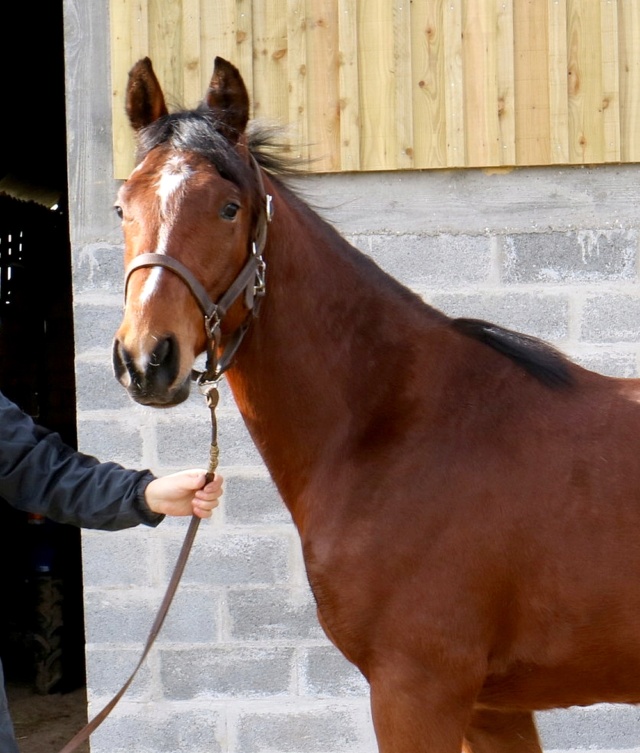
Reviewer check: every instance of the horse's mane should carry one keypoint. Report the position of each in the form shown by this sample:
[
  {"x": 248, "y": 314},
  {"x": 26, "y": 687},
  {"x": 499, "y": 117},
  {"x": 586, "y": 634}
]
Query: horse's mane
[
  {"x": 535, "y": 356},
  {"x": 270, "y": 146}
]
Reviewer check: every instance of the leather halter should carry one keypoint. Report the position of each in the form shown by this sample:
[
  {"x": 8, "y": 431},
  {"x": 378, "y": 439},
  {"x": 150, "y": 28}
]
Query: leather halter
[{"x": 250, "y": 280}]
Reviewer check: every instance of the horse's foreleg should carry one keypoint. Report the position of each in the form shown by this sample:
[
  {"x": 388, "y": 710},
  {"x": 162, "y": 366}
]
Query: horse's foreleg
[
  {"x": 418, "y": 715},
  {"x": 501, "y": 732}
]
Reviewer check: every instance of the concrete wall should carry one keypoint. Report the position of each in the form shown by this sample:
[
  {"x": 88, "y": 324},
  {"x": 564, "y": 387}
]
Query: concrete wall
[{"x": 241, "y": 665}]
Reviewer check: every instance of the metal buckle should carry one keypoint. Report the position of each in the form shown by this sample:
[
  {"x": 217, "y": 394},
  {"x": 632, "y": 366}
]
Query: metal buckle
[
  {"x": 268, "y": 206},
  {"x": 209, "y": 388},
  {"x": 260, "y": 280},
  {"x": 260, "y": 287}
]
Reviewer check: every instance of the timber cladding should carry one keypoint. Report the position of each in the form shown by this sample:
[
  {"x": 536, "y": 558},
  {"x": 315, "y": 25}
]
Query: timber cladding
[{"x": 404, "y": 84}]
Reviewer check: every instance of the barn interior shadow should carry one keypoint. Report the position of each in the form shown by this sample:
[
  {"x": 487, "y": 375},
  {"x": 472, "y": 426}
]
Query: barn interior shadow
[{"x": 41, "y": 629}]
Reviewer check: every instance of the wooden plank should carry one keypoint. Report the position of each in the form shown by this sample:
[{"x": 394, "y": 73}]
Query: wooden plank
[
  {"x": 218, "y": 33},
  {"x": 403, "y": 138},
  {"x": 610, "y": 81},
  {"x": 482, "y": 130},
  {"x": 377, "y": 84},
  {"x": 530, "y": 23},
  {"x": 629, "y": 46},
  {"x": 226, "y": 31},
  {"x": 298, "y": 118},
  {"x": 270, "y": 85},
  {"x": 455, "y": 113},
  {"x": 192, "y": 90},
  {"x": 165, "y": 48},
  {"x": 243, "y": 40},
  {"x": 349, "y": 85},
  {"x": 557, "y": 74},
  {"x": 322, "y": 81},
  {"x": 428, "y": 79},
  {"x": 586, "y": 135},
  {"x": 129, "y": 42},
  {"x": 506, "y": 105}
]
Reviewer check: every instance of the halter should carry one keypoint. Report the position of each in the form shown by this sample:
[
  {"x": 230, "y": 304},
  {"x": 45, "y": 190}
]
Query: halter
[{"x": 251, "y": 280}]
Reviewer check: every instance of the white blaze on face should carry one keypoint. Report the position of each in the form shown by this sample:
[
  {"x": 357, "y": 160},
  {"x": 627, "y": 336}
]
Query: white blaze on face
[{"x": 171, "y": 189}]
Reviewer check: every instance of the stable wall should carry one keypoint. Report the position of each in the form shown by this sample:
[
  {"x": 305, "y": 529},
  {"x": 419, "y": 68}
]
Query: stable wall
[{"x": 241, "y": 665}]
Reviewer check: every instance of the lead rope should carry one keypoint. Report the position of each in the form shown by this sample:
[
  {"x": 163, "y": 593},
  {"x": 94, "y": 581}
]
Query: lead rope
[{"x": 210, "y": 392}]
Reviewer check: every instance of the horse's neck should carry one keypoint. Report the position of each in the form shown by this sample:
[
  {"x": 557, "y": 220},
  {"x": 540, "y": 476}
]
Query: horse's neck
[{"x": 331, "y": 331}]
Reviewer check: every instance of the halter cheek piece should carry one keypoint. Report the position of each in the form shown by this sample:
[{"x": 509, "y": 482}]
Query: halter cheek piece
[{"x": 250, "y": 280}]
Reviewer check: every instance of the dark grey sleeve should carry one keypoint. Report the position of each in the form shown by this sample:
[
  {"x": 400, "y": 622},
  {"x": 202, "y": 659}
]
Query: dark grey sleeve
[{"x": 39, "y": 473}]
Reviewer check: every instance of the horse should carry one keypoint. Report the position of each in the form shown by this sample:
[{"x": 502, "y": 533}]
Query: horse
[{"x": 467, "y": 498}]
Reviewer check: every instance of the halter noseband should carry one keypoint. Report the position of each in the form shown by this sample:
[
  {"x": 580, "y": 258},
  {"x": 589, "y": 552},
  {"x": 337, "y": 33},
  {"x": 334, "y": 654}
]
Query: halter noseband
[{"x": 250, "y": 280}]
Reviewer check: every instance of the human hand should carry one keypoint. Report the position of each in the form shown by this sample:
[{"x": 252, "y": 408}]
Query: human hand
[{"x": 183, "y": 493}]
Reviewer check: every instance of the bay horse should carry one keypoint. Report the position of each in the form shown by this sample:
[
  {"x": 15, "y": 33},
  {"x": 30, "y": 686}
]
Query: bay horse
[{"x": 468, "y": 499}]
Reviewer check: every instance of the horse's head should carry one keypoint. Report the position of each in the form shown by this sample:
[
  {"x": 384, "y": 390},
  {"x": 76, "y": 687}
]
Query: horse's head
[{"x": 189, "y": 214}]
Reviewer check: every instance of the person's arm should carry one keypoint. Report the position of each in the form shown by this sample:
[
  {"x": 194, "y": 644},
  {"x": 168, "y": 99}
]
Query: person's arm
[{"x": 39, "y": 473}]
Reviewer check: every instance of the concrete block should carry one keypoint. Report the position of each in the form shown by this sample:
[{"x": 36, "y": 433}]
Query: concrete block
[
  {"x": 95, "y": 326},
  {"x": 440, "y": 261},
  {"x": 110, "y": 440},
  {"x": 108, "y": 670},
  {"x": 236, "y": 445},
  {"x": 229, "y": 559},
  {"x": 572, "y": 257},
  {"x": 126, "y": 616},
  {"x": 254, "y": 501},
  {"x": 194, "y": 617},
  {"x": 537, "y": 314},
  {"x": 118, "y": 616},
  {"x": 472, "y": 201},
  {"x": 611, "y": 318},
  {"x": 99, "y": 267},
  {"x": 600, "y": 726},
  {"x": 610, "y": 363},
  {"x": 117, "y": 558},
  {"x": 325, "y": 672},
  {"x": 272, "y": 614},
  {"x": 185, "y": 440},
  {"x": 97, "y": 388},
  {"x": 321, "y": 729},
  {"x": 162, "y": 729},
  {"x": 222, "y": 672}
]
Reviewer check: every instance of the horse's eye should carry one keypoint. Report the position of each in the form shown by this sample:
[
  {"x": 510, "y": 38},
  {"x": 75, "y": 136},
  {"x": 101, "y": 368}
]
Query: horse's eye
[
  {"x": 229, "y": 211},
  {"x": 119, "y": 212}
]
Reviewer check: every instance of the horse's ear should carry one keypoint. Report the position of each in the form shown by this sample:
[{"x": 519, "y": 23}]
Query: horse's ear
[
  {"x": 145, "y": 100},
  {"x": 228, "y": 98}
]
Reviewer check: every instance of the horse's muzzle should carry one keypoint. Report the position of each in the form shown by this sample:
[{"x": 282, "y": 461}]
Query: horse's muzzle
[{"x": 150, "y": 379}]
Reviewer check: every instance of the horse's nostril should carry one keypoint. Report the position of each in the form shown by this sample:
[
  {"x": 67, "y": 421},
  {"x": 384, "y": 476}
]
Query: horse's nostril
[
  {"x": 162, "y": 352},
  {"x": 118, "y": 360},
  {"x": 164, "y": 363}
]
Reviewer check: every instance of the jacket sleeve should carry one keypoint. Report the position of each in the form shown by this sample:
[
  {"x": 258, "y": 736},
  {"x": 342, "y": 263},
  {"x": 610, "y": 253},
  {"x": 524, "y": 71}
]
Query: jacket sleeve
[{"x": 39, "y": 473}]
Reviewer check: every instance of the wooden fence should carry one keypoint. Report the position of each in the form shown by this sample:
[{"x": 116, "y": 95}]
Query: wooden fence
[{"x": 404, "y": 84}]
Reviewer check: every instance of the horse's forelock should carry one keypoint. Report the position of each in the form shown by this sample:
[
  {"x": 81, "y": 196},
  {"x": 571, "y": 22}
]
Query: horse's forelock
[{"x": 195, "y": 131}]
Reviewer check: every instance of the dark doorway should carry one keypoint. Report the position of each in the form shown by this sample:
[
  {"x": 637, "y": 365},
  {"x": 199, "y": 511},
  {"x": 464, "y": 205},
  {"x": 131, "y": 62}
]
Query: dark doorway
[{"x": 41, "y": 630}]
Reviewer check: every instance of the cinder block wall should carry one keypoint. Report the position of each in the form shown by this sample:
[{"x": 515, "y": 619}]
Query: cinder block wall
[{"x": 241, "y": 665}]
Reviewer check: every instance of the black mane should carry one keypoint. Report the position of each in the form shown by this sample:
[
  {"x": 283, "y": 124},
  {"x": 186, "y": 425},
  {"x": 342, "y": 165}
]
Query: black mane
[{"x": 535, "y": 356}]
